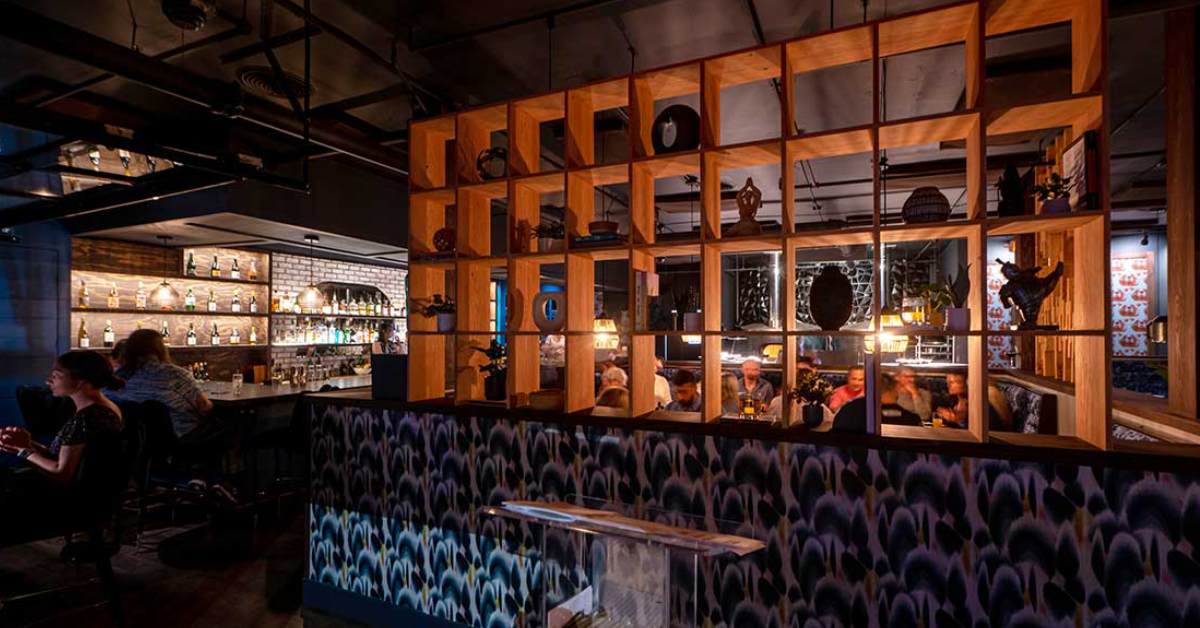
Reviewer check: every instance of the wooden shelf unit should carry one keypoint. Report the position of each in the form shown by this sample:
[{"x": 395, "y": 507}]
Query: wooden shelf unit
[{"x": 444, "y": 179}]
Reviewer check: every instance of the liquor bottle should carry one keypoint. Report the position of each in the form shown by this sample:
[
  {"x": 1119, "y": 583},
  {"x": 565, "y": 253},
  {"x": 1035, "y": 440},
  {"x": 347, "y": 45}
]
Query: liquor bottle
[
  {"x": 125, "y": 158},
  {"x": 84, "y": 341},
  {"x": 212, "y": 301},
  {"x": 326, "y": 307},
  {"x": 166, "y": 332},
  {"x": 294, "y": 299},
  {"x": 253, "y": 274},
  {"x": 387, "y": 308},
  {"x": 137, "y": 324},
  {"x": 334, "y": 306},
  {"x": 254, "y": 334},
  {"x": 215, "y": 338},
  {"x": 114, "y": 302},
  {"x": 215, "y": 269},
  {"x": 253, "y": 304},
  {"x": 139, "y": 300},
  {"x": 191, "y": 335},
  {"x": 190, "y": 271},
  {"x": 234, "y": 271},
  {"x": 378, "y": 306},
  {"x": 85, "y": 296},
  {"x": 110, "y": 338},
  {"x": 235, "y": 337},
  {"x": 236, "y": 304},
  {"x": 189, "y": 301}
]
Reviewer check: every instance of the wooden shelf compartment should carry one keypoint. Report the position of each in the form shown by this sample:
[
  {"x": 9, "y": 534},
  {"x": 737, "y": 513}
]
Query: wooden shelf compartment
[
  {"x": 582, "y": 188},
  {"x": 942, "y": 128},
  {"x": 733, "y": 70},
  {"x": 928, "y": 433},
  {"x": 427, "y": 212},
  {"x": 712, "y": 165},
  {"x": 1087, "y": 20},
  {"x": 643, "y": 175},
  {"x": 525, "y": 208},
  {"x": 473, "y": 134},
  {"x": 156, "y": 312},
  {"x": 650, "y": 87},
  {"x": 930, "y": 28},
  {"x": 526, "y": 117},
  {"x": 1042, "y": 223},
  {"x": 583, "y": 103},
  {"x": 473, "y": 218},
  {"x": 1082, "y": 112},
  {"x": 427, "y": 149}
]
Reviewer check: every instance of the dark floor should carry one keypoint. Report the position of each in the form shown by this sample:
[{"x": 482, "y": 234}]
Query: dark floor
[{"x": 228, "y": 572}]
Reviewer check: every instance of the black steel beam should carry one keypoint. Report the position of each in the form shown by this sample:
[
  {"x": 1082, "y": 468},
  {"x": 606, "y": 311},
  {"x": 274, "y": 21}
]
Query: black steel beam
[
  {"x": 26, "y": 160},
  {"x": 155, "y": 186},
  {"x": 270, "y": 43},
  {"x": 31, "y": 28}
]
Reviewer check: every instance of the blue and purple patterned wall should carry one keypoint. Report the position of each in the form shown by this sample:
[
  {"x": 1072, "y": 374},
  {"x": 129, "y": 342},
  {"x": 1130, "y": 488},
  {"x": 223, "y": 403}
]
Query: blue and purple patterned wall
[{"x": 854, "y": 537}]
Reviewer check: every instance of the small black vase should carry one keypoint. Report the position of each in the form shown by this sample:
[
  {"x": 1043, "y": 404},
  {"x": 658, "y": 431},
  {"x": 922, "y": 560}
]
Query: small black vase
[
  {"x": 811, "y": 414},
  {"x": 830, "y": 299},
  {"x": 496, "y": 387}
]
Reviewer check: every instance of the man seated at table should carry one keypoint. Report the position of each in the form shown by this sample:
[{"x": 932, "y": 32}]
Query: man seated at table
[
  {"x": 854, "y": 388},
  {"x": 687, "y": 392},
  {"x": 753, "y": 383},
  {"x": 911, "y": 396},
  {"x": 613, "y": 377},
  {"x": 805, "y": 364},
  {"x": 852, "y": 417}
]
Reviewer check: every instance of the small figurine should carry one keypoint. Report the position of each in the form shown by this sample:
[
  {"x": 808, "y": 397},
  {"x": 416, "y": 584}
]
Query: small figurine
[
  {"x": 1027, "y": 291},
  {"x": 749, "y": 198},
  {"x": 1012, "y": 193}
]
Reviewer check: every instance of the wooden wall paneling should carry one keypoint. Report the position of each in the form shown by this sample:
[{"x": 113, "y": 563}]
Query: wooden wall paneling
[
  {"x": 427, "y": 152},
  {"x": 473, "y": 298},
  {"x": 1091, "y": 354},
  {"x": 473, "y": 223},
  {"x": 525, "y": 130},
  {"x": 976, "y": 58},
  {"x": 710, "y": 197},
  {"x": 642, "y": 214},
  {"x": 581, "y": 204},
  {"x": 710, "y": 295},
  {"x": 580, "y": 129},
  {"x": 117, "y": 256},
  {"x": 1183, "y": 199}
]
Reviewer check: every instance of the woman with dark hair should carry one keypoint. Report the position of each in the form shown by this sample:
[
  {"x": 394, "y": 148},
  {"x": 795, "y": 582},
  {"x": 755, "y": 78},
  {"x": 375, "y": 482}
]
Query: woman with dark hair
[
  {"x": 80, "y": 375},
  {"x": 149, "y": 375}
]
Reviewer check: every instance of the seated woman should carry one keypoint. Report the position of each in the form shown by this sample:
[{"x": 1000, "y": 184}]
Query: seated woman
[
  {"x": 613, "y": 397},
  {"x": 730, "y": 394},
  {"x": 29, "y": 502},
  {"x": 150, "y": 376},
  {"x": 953, "y": 410}
]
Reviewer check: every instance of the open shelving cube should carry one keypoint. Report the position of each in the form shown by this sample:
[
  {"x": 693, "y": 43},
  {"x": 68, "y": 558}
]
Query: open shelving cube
[
  {"x": 475, "y": 131},
  {"x": 647, "y": 177},
  {"x": 739, "y": 72},
  {"x": 679, "y": 83},
  {"x": 584, "y": 106},
  {"x": 529, "y": 122}
]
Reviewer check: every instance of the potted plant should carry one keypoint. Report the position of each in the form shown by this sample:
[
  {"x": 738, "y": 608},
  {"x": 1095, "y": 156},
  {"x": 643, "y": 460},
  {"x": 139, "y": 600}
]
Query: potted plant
[
  {"x": 958, "y": 316},
  {"x": 1054, "y": 194},
  {"x": 442, "y": 308},
  {"x": 549, "y": 236},
  {"x": 495, "y": 372},
  {"x": 811, "y": 391}
]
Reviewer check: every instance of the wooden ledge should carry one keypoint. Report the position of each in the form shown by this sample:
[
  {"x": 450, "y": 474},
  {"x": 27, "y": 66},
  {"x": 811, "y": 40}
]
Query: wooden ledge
[{"x": 1149, "y": 415}]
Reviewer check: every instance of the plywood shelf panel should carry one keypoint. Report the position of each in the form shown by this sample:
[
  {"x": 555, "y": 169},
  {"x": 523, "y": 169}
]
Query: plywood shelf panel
[
  {"x": 749, "y": 244},
  {"x": 602, "y": 253},
  {"x": 1007, "y": 16},
  {"x": 612, "y": 174},
  {"x": 814, "y": 239},
  {"x": 670, "y": 82},
  {"x": 547, "y": 183},
  {"x": 673, "y": 249},
  {"x": 436, "y": 196},
  {"x": 745, "y": 155},
  {"x": 759, "y": 64},
  {"x": 670, "y": 165},
  {"x": 1080, "y": 113},
  {"x": 605, "y": 94},
  {"x": 927, "y": 130},
  {"x": 826, "y": 50},
  {"x": 927, "y": 29},
  {"x": 939, "y": 231},
  {"x": 487, "y": 190},
  {"x": 1046, "y": 223},
  {"x": 543, "y": 108},
  {"x": 830, "y": 144},
  {"x": 927, "y": 433}
]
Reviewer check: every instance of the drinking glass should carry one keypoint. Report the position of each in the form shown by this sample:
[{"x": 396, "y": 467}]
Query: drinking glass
[{"x": 237, "y": 383}]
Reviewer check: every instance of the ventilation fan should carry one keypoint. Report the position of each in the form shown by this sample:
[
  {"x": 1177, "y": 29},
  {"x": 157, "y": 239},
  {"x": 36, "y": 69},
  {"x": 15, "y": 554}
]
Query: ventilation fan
[{"x": 190, "y": 15}]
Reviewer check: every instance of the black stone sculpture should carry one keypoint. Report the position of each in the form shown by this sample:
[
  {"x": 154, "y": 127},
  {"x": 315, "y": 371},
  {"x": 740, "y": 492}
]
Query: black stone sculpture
[
  {"x": 1026, "y": 291},
  {"x": 1012, "y": 193},
  {"x": 830, "y": 299}
]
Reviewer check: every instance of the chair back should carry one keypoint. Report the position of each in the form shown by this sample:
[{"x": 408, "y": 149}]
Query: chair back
[{"x": 149, "y": 422}]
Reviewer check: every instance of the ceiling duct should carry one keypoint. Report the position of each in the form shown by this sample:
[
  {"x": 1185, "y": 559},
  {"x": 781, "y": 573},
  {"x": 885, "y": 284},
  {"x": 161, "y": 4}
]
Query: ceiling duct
[
  {"x": 190, "y": 15},
  {"x": 263, "y": 81}
]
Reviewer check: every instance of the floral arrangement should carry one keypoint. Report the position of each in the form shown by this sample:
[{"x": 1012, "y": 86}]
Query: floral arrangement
[
  {"x": 437, "y": 305},
  {"x": 497, "y": 356},
  {"x": 811, "y": 388},
  {"x": 1056, "y": 187}
]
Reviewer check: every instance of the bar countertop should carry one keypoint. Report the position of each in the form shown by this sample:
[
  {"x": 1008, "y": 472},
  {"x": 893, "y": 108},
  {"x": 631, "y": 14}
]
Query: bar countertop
[
  {"x": 1029, "y": 447},
  {"x": 222, "y": 392}
]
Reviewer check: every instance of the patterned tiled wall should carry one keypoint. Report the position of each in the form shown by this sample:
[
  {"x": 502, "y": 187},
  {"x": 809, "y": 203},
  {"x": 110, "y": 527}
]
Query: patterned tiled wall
[{"x": 854, "y": 537}]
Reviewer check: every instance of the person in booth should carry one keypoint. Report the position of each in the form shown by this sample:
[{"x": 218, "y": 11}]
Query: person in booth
[
  {"x": 753, "y": 384},
  {"x": 854, "y": 388},
  {"x": 911, "y": 396},
  {"x": 687, "y": 392}
]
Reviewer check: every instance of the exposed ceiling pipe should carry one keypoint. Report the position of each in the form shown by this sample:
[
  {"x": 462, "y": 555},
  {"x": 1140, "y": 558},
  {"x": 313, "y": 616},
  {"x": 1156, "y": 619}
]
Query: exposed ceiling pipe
[{"x": 31, "y": 28}]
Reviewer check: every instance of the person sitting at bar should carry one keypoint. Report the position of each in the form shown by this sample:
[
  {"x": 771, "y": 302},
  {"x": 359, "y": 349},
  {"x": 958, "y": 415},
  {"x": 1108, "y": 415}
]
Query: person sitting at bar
[
  {"x": 613, "y": 397},
  {"x": 150, "y": 375},
  {"x": 730, "y": 394},
  {"x": 752, "y": 383},
  {"x": 852, "y": 417},
  {"x": 687, "y": 392},
  {"x": 912, "y": 397},
  {"x": 662, "y": 387},
  {"x": 854, "y": 388},
  {"x": 34, "y": 500}
]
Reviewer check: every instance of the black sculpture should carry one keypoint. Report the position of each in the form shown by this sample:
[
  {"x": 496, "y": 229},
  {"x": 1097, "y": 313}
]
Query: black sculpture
[
  {"x": 831, "y": 299},
  {"x": 1027, "y": 291}
]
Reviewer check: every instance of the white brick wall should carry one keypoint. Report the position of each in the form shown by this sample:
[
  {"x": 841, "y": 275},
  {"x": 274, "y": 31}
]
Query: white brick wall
[{"x": 289, "y": 273}]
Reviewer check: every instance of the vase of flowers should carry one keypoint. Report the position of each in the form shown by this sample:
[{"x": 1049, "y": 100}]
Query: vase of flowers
[
  {"x": 811, "y": 391},
  {"x": 1055, "y": 194},
  {"x": 441, "y": 308}
]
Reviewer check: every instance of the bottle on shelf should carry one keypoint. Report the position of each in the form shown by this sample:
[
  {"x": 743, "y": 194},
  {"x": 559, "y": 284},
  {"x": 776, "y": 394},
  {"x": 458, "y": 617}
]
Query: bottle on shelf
[
  {"x": 378, "y": 306},
  {"x": 235, "y": 337},
  {"x": 334, "y": 305},
  {"x": 139, "y": 299},
  {"x": 85, "y": 295},
  {"x": 114, "y": 302},
  {"x": 253, "y": 304},
  {"x": 191, "y": 335},
  {"x": 189, "y": 301},
  {"x": 215, "y": 269},
  {"x": 236, "y": 304},
  {"x": 190, "y": 269},
  {"x": 137, "y": 324},
  {"x": 110, "y": 338},
  {"x": 326, "y": 307},
  {"x": 297, "y": 308},
  {"x": 234, "y": 271},
  {"x": 215, "y": 338},
  {"x": 165, "y": 331},
  {"x": 212, "y": 300},
  {"x": 83, "y": 341},
  {"x": 254, "y": 334},
  {"x": 253, "y": 274}
]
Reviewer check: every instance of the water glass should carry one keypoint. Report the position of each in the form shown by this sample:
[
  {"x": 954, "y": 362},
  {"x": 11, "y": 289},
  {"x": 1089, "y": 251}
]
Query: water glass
[{"x": 237, "y": 383}]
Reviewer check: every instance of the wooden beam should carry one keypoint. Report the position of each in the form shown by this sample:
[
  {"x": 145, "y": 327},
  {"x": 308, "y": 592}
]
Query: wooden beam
[{"x": 1183, "y": 199}]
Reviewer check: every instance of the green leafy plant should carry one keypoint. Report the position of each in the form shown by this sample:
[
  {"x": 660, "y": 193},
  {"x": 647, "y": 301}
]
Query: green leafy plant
[
  {"x": 810, "y": 388},
  {"x": 554, "y": 231},
  {"x": 1056, "y": 187},
  {"x": 497, "y": 355},
  {"x": 959, "y": 288},
  {"x": 437, "y": 305},
  {"x": 935, "y": 296}
]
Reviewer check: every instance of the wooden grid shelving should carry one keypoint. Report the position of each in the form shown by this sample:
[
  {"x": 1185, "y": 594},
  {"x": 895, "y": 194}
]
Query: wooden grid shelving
[{"x": 445, "y": 189}]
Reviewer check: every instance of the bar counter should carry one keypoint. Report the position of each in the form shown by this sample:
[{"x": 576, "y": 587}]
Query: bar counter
[{"x": 860, "y": 529}]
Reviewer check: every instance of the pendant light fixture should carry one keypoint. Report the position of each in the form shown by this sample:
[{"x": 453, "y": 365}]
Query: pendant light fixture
[
  {"x": 165, "y": 296},
  {"x": 604, "y": 329},
  {"x": 311, "y": 298}
]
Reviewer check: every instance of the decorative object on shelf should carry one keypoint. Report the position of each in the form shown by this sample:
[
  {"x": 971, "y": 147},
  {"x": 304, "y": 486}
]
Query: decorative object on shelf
[
  {"x": 811, "y": 391},
  {"x": 165, "y": 296},
  {"x": 311, "y": 298},
  {"x": 443, "y": 240},
  {"x": 1156, "y": 330},
  {"x": 926, "y": 204},
  {"x": 1026, "y": 291},
  {"x": 676, "y": 129},
  {"x": 549, "y": 236},
  {"x": 495, "y": 371},
  {"x": 1054, "y": 194},
  {"x": 754, "y": 298},
  {"x": 1079, "y": 166},
  {"x": 689, "y": 308},
  {"x": 1012, "y": 193},
  {"x": 749, "y": 199},
  {"x": 830, "y": 299},
  {"x": 861, "y": 274},
  {"x": 492, "y": 163},
  {"x": 545, "y": 304},
  {"x": 443, "y": 309},
  {"x": 887, "y": 340},
  {"x": 958, "y": 315}
]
